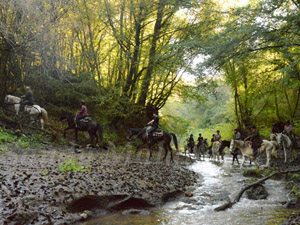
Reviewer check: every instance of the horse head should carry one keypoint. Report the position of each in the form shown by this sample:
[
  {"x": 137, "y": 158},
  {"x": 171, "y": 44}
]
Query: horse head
[
  {"x": 63, "y": 115},
  {"x": 129, "y": 135}
]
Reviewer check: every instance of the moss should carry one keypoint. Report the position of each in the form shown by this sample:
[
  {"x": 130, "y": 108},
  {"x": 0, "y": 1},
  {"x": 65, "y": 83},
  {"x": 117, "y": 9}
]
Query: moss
[{"x": 252, "y": 173}]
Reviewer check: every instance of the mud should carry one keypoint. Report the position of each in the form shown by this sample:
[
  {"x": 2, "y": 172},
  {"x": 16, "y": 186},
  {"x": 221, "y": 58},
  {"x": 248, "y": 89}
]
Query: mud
[{"x": 34, "y": 190}]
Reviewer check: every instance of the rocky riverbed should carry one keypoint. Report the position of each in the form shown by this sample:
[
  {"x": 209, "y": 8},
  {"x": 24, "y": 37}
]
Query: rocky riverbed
[{"x": 57, "y": 186}]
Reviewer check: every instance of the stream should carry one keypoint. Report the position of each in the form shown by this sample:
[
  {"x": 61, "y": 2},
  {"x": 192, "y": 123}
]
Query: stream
[{"x": 217, "y": 182}]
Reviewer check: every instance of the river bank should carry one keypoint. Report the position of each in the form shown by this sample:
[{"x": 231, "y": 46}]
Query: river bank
[{"x": 50, "y": 185}]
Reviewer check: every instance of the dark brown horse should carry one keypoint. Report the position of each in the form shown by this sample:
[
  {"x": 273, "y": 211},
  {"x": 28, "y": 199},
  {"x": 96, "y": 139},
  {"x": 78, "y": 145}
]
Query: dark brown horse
[
  {"x": 165, "y": 138},
  {"x": 91, "y": 126}
]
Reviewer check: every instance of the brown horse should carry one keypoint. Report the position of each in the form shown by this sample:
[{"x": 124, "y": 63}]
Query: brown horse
[{"x": 90, "y": 126}]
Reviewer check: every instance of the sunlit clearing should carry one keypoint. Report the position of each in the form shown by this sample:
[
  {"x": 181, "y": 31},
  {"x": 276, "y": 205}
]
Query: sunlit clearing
[{"x": 233, "y": 3}]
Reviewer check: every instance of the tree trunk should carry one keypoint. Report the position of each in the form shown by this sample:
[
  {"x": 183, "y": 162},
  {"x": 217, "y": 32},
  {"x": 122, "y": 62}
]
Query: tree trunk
[{"x": 152, "y": 53}]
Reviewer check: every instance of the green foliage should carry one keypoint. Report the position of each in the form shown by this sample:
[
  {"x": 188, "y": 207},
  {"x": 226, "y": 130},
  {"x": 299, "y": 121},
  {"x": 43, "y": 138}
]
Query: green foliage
[
  {"x": 71, "y": 165},
  {"x": 6, "y": 136}
]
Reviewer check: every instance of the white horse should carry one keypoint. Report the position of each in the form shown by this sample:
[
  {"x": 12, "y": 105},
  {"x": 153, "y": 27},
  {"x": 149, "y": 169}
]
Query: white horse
[
  {"x": 268, "y": 147},
  {"x": 35, "y": 111},
  {"x": 215, "y": 150},
  {"x": 283, "y": 141}
]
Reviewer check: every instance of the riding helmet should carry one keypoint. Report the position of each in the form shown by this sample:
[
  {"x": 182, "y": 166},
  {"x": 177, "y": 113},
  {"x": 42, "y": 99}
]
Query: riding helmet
[{"x": 82, "y": 102}]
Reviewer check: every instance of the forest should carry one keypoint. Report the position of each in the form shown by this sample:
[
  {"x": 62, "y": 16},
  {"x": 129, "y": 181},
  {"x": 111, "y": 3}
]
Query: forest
[
  {"x": 204, "y": 65},
  {"x": 129, "y": 58}
]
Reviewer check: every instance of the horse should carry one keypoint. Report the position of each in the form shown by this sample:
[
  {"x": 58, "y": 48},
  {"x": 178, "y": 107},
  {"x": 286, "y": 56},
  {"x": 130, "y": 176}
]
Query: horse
[
  {"x": 35, "y": 111},
  {"x": 142, "y": 134},
  {"x": 215, "y": 150},
  {"x": 225, "y": 144},
  {"x": 90, "y": 126},
  {"x": 284, "y": 141},
  {"x": 200, "y": 150},
  {"x": 268, "y": 147}
]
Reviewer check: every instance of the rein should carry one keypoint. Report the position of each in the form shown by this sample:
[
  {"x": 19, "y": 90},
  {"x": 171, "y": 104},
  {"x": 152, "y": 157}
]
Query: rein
[{"x": 140, "y": 132}]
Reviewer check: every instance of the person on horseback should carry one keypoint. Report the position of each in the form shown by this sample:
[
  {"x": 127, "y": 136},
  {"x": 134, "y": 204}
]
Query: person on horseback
[
  {"x": 200, "y": 140},
  {"x": 81, "y": 114},
  {"x": 154, "y": 125},
  {"x": 27, "y": 99},
  {"x": 236, "y": 136},
  {"x": 274, "y": 129},
  {"x": 288, "y": 130},
  {"x": 217, "y": 136},
  {"x": 255, "y": 140},
  {"x": 191, "y": 143}
]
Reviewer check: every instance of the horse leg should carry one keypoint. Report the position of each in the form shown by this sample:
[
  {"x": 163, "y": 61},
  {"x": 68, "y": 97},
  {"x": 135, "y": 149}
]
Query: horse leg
[
  {"x": 138, "y": 148},
  {"x": 236, "y": 156},
  {"x": 243, "y": 161},
  {"x": 268, "y": 153},
  {"x": 42, "y": 123},
  {"x": 150, "y": 149},
  {"x": 166, "y": 151},
  {"x": 65, "y": 131},
  {"x": 171, "y": 151},
  {"x": 285, "y": 155},
  {"x": 91, "y": 137},
  {"x": 96, "y": 136},
  {"x": 76, "y": 135}
]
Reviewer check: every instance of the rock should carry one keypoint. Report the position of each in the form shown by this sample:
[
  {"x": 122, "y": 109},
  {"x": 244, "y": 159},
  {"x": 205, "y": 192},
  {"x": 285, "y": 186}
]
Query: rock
[
  {"x": 84, "y": 216},
  {"x": 188, "y": 194},
  {"x": 293, "y": 204},
  {"x": 257, "y": 192},
  {"x": 107, "y": 202}
]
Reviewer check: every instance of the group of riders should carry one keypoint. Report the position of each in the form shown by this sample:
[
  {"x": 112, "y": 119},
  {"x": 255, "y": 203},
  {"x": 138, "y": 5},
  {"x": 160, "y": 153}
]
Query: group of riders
[
  {"x": 27, "y": 99},
  {"x": 253, "y": 138}
]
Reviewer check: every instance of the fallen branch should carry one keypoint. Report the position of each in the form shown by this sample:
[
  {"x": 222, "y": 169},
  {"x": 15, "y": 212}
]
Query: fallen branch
[{"x": 239, "y": 195}]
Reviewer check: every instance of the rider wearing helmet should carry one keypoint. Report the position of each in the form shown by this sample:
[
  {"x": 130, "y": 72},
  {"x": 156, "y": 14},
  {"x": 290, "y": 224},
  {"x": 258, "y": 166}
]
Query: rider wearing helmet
[
  {"x": 81, "y": 114},
  {"x": 154, "y": 125},
  {"x": 27, "y": 99}
]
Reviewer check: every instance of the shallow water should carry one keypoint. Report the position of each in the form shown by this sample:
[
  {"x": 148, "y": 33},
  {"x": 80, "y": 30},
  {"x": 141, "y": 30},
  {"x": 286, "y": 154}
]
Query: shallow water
[{"x": 219, "y": 180}]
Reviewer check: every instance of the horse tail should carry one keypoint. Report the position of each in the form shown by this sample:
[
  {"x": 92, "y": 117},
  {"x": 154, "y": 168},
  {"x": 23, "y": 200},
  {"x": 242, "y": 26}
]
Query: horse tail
[
  {"x": 100, "y": 130},
  {"x": 44, "y": 115},
  {"x": 175, "y": 140}
]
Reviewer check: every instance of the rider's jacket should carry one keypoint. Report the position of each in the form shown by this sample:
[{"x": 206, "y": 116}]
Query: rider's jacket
[
  {"x": 83, "y": 111},
  {"x": 217, "y": 137},
  {"x": 156, "y": 121},
  {"x": 29, "y": 96},
  {"x": 288, "y": 128}
]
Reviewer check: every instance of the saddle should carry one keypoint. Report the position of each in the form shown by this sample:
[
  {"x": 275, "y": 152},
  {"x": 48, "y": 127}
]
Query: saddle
[
  {"x": 86, "y": 119},
  {"x": 158, "y": 133}
]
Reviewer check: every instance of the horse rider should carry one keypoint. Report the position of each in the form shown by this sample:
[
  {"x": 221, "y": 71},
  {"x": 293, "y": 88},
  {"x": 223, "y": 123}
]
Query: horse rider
[
  {"x": 81, "y": 114},
  {"x": 191, "y": 143},
  {"x": 255, "y": 140},
  {"x": 200, "y": 140},
  {"x": 288, "y": 129},
  {"x": 274, "y": 129},
  {"x": 27, "y": 99},
  {"x": 218, "y": 137},
  {"x": 154, "y": 125},
  {"x": 236, "y": 136}
]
